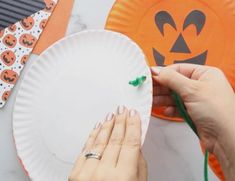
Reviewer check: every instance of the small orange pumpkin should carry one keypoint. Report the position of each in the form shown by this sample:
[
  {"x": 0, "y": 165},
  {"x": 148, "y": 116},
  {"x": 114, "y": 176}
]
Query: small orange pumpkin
[
  {"x": 27, "y": 23},
  {"x": 24, "y": 59},
  {"x": 10, "y": 41},
  {"x": 28, "y": 40},
  {"x": 43, "y": 24},
  {"x": 9, "y": 76},
  {"x": 8, "y": 57},
  {"x": 6, "y": 95},
  {"x": 12, "y": 28},
  {"x": 50, "y": 5}
]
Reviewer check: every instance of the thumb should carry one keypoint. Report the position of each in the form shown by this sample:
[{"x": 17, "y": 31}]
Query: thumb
[{"x": 172, "y": 79}]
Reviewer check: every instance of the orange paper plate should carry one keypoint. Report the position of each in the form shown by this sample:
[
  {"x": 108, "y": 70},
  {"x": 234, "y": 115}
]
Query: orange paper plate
[{"x": 180, "y": 31}]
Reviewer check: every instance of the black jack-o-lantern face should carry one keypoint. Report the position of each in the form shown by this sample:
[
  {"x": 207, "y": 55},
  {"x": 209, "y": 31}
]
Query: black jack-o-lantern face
[
  {"x": 180, "y": 46},
  {"x": 9, "y": 76}
]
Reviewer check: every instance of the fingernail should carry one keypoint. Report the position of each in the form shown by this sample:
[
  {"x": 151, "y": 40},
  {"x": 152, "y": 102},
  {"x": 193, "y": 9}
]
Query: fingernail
[
  {"x": 121, "y": 109},
  {"x": 132, "y": 113},
  {"x": 97, "y": 125},
  {"x": 157, "y": 78},
  {"x": 109, "y": 117},
  {"x": 156, "y": 70}
]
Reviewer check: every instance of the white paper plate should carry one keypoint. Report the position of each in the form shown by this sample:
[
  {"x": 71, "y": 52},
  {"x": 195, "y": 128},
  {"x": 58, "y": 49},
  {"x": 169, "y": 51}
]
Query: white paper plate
[{"x": 70, "y": 87}]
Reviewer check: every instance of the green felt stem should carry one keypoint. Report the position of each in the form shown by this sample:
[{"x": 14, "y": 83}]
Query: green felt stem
[
  {"x": 138, "y": 81},
  {"x": 183, "y": 112}
]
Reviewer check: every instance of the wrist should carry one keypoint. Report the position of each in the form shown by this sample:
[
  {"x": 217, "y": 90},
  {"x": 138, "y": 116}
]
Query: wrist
[{"x": 224, "y": 149}]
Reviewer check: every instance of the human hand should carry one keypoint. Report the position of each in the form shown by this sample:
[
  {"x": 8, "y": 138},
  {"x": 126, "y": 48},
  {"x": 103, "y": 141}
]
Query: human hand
[
  {"x": 118, "y": 140},
  {"x": 206, "y": 93},
  {"x": 209, "y": 100}
]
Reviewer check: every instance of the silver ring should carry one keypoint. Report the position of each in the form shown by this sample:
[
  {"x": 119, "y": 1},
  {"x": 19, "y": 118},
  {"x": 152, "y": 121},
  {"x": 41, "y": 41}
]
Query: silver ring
[{"x": 94, "y": 155}]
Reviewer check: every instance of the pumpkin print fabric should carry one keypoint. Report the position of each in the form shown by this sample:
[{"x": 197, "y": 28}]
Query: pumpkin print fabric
[{"x": 16, "y": 43}]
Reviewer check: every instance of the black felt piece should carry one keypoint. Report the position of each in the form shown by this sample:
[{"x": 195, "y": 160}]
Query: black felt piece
[
  {"x": 12, "y": 11},
  {"x": 180, "y": 46}
]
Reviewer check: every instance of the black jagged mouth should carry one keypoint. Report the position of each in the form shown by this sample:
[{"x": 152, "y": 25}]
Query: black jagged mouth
[
  {"x": 199, "y": 59},
  {"x": 27, "y": 43},
  {"x": 8, "y": 79},
  {"x": 9, "y": 43},
  {"x": 5, "y": 59}
]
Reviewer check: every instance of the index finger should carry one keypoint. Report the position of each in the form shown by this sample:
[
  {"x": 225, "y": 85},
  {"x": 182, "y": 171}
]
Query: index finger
[
  {"x": 185, "y": 69},
  {"x": 130, "y": 151}
]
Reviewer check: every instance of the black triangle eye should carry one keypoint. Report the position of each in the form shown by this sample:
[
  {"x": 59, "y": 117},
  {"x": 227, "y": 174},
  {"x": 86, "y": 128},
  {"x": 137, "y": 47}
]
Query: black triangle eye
[
  {"x": 196, "y": 18},
  {"x": 163, "y": 18}
]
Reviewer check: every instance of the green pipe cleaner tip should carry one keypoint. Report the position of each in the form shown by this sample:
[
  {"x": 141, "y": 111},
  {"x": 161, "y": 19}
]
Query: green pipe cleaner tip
[{"x": 138, "y": 81}]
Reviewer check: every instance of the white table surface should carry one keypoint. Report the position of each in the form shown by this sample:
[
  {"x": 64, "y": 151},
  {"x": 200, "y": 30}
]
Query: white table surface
[{"x": 171, "y": 149}]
